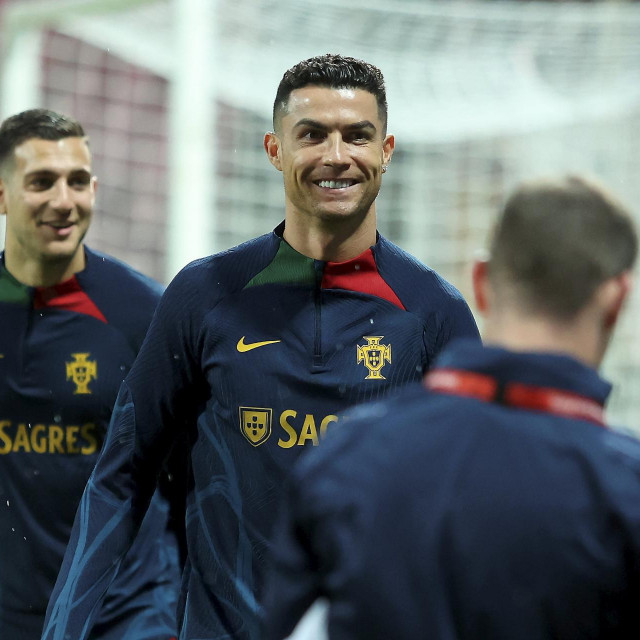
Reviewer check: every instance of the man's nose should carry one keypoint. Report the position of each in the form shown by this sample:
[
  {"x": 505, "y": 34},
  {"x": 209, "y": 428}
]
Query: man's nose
[
  {"x": 62, "y": 200},
  {"x": 336, "y": 152}
]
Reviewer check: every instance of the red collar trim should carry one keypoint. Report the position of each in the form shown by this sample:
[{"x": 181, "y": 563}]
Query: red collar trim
[
  {"x": 514, "y": 394},
  {"x": 359, "y": 274},
  {"x": 67, "y": 295}
]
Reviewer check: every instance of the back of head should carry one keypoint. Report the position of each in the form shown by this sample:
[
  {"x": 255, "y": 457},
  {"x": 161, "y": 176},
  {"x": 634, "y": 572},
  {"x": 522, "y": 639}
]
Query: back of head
[
  {"x": 34, "y": 123},
  {"x": 555, "y": 242},
  {"x": 334, "y": 72}
]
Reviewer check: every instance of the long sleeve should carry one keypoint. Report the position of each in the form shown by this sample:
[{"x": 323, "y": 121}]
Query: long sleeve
[
  {"x": 151, "y": 407},
  {"x": 295, "y": 582},
  {"x": 457, "y": 322}
]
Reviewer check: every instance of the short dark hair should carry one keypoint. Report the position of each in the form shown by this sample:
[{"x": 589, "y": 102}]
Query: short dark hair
[
  {"x": 335, "y": 72},
  {"x": 557, "y": 240},
  {"x": 35, "y": 123}
]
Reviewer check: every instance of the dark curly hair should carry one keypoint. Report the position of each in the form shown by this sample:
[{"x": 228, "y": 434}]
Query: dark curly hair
[{"x": 335, "y": 72}]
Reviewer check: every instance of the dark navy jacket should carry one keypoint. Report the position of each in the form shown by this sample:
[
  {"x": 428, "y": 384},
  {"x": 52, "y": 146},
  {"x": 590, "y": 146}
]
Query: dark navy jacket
[
  {"x": 253, "y": 353},
  {"x": 437, "y": 516},
  {"x": 64, "y": 351}
]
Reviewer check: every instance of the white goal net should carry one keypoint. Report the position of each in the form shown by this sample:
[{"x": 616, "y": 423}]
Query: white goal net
[{"x": 481, "y": 95}]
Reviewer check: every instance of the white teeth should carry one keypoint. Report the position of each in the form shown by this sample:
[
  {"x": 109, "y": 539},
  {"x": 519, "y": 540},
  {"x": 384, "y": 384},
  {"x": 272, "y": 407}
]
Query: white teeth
[{"x": 335, "y": 184}]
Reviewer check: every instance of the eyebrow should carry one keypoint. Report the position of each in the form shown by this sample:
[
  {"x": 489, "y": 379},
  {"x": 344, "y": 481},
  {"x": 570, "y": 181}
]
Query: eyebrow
[
  {"x": 50, "y": 172},
  {"x": 308, "y": 122}
]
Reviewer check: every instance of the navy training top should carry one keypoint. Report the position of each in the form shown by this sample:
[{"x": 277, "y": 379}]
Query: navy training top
[
  {"x": 253, "y": 352},
  {"x": 64, "y": 351}
]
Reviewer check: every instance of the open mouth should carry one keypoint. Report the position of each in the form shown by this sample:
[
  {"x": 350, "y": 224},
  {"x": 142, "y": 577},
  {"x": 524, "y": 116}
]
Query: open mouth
[
  {"x": 335, "y": 184},
  {"x": 59, "y": 229}
]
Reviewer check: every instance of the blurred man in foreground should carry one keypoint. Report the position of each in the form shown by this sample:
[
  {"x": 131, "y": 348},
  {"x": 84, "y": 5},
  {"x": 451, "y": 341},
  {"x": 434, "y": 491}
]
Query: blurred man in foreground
[
  {"x": 71, "y": 323},
  {"x": 495, "y": 503}
]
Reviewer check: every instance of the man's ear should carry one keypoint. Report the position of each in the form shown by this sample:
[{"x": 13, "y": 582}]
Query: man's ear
[
  {"x": 612, "y": 296},
  {"x": 387, "y": 149},
  {"x": 480, "y": 280},
  {"x": 3, "y": 203},
  {"x": 272, "y": 147},
  {"x": 94, "y": 187}
]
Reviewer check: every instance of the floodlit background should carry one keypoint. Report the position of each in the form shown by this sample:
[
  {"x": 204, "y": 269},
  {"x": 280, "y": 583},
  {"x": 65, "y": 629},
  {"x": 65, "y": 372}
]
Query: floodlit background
[{"x": 177, "y": 94}]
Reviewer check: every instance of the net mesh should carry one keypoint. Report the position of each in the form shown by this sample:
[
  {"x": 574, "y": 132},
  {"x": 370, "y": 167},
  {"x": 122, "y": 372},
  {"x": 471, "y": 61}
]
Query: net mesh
[
  {"x": 481, "y": 95},
  {"x": 123, "y": 108}
]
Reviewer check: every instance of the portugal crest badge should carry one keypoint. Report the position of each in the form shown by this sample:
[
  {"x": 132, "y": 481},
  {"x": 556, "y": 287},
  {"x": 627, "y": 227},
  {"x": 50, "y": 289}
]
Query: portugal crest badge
[
  {"x": 374, "y": 355},
  {"x": 82, "y": 371},
  {"x": 255, "y": 424}
]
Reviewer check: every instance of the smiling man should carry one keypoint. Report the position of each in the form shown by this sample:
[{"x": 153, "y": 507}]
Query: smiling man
[
  {"x": 71, "y": 323},
  {"x": 49, "y": 191},
  {"x": 331, "y": 145},
  {"x": 256, "y": 351}
]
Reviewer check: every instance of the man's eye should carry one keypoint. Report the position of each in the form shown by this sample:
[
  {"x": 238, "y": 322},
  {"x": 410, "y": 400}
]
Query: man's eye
[
  {"x": 79, "y": 183},
  {"x": 358, "y": 136},
  {"x": 41, "y": 184},
  {"x": 313, "y": 135}
]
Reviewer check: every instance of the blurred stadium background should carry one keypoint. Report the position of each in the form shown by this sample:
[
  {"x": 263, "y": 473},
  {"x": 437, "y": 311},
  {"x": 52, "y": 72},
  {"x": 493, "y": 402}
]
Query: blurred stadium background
[{"x": 177, "y": 94}]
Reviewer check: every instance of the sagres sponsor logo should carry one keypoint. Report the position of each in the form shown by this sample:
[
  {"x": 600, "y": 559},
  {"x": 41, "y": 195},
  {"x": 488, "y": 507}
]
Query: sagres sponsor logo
[
  {"x": 292, "y": 427},
  {"x": 374, "y": 355},
  {"x": 243, "y": 347},
  {"x": 82, "y": 371},
  {"x": 35, "y": 437},
  {"x": 255, "y": 424}
]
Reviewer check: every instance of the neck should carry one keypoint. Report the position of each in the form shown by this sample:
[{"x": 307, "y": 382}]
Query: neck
[
  {"x": 39, "y": 273},
  {"x": 579, "y": 338},
  {"x": 330, "y": 240}
]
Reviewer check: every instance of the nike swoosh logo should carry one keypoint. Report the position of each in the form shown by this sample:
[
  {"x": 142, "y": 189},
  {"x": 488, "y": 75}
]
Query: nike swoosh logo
[{"x": 243, "y": 348}]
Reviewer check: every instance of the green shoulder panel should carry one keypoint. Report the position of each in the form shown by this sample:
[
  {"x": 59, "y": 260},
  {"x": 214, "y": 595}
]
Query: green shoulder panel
[
  {"x": 287, "y": 267},
  {"x": 11, "y": 290}
]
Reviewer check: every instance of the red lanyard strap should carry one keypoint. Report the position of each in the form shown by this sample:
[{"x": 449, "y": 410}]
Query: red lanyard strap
[{"x": 515, "y": 394}]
